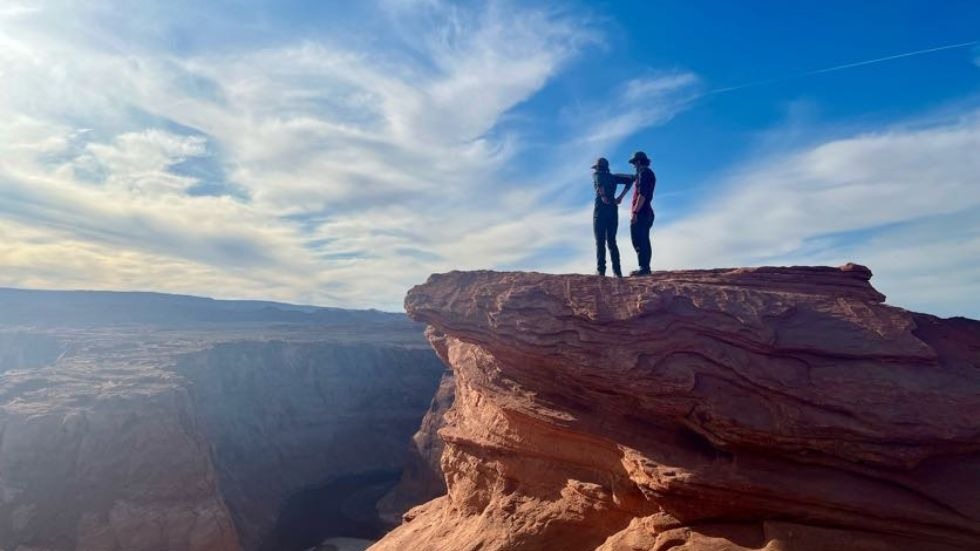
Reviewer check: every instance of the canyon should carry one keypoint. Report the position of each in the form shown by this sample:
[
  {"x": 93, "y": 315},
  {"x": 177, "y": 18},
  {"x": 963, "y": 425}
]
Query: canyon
[
  {"x": 770, "y": 409},
  {"x": 422, "y": 478},
  {"x": 778, "y": 409},
  {"x": 139, "y": 421}
]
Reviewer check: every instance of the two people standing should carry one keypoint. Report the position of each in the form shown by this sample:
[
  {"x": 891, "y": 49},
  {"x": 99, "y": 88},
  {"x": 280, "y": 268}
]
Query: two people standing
[{"x": 605, "y": 220}]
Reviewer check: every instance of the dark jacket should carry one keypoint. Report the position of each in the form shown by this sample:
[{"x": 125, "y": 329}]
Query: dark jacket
[
  {"x": 646, "y": 182},
  {"x": 605, "y": 183}
]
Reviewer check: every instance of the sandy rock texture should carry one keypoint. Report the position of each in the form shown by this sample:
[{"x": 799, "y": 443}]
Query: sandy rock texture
[{"x": 735, "y": 409}]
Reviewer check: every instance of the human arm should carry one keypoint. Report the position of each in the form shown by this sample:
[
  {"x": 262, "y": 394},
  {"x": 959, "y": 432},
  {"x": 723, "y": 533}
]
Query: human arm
[{"x": 627, "y": 182}]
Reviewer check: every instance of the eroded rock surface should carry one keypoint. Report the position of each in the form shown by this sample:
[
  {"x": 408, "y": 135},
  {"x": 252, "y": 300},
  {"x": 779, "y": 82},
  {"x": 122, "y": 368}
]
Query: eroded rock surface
[
  {"x": 150, "y": 422},
  {"x": 105, "y": 455},
  {"x": 769, "y": 408}
]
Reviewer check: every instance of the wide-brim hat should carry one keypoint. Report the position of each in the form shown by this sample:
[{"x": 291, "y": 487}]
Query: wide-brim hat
[
  {"x": 601, "y": 162},
  {"x": 639, "y": 157}
]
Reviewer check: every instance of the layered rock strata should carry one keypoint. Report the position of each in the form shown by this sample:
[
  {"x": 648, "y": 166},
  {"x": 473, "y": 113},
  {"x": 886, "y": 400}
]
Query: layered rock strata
[
  {"x": 106, "y": 457},
  {"x": 768, "y": 408},
  {"x": 152, "y": 423}
]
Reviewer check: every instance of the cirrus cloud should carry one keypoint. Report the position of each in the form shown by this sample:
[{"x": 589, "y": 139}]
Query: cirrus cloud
[
  {"x": 904, "y": 201},
  {"x": 310, "y": 168}
]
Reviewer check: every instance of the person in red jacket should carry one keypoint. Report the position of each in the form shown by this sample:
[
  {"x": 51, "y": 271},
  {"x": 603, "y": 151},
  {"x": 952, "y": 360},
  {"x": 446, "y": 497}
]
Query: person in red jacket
[{"x": 641, "y": 213}]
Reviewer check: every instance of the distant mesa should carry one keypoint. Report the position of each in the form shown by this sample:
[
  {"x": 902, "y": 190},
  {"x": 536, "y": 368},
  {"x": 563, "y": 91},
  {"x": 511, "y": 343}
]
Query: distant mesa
[{"x": 88, "y": 308}]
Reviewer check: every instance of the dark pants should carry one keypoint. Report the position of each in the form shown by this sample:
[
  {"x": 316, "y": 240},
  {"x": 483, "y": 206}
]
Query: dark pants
[
  {"x": 640, "y": 235},
  {"x": 604, "y": 225}
]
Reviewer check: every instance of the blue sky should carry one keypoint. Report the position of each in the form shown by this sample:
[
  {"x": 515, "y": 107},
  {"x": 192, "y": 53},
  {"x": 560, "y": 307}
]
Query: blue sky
[{"x": 338, "y": 153}]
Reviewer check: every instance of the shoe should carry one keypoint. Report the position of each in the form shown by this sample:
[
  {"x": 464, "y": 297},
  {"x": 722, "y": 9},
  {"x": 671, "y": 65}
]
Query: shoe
[
  {"x": 600, "y": 273},
  {"x": 618, "y": 274},
  {"x": 640, "y": 273}
]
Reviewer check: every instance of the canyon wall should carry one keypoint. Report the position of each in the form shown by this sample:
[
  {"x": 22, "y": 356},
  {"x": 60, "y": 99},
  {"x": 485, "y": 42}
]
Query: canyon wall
[
  {"x": 105, "y": 457},
  {"x": 422, "y": 478},
  {"x": 286, "y": 416},
  {"x": 769, "y": 408},
  {"x": 153, "y": 423}
]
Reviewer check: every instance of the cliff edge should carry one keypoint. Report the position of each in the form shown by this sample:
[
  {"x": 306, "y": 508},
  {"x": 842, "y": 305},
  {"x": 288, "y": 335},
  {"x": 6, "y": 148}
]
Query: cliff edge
[{"x": 766, "y": 408}]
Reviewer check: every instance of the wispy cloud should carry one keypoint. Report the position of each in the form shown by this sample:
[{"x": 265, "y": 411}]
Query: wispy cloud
[
  {"x": 345, "y": 165},
  {"x": 904, "y": 201},
  {"x": 333, "y": 171},
  {"x": 642, "y": 102}
]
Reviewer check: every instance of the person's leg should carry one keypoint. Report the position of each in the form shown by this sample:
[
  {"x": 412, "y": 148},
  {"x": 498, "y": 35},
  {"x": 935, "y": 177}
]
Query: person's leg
[
  {"x": 611, "y": 228},
  {"x": 635, "y": 238},
  {"x": 645, "y": 251},
  {"x": 599, "y": 230},
  {"x": 649, "y": 242}
]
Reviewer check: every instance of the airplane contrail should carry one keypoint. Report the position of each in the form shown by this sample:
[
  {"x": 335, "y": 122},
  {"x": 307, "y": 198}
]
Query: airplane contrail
[{"x": 840, "y": 67}]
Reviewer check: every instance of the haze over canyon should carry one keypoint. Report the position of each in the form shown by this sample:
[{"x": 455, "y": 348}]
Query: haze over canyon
[{"x": 139, "y": 421}]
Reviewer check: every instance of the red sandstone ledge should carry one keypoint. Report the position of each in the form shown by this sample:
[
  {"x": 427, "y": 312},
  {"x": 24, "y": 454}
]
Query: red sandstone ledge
[{"x": 732, "y": 409}]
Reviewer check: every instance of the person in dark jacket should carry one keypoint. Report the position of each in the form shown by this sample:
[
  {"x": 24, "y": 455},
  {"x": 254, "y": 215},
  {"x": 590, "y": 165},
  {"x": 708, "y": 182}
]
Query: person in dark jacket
[
  {"x": 641, "y": 213},
  {"x": 605, "y": 219}
]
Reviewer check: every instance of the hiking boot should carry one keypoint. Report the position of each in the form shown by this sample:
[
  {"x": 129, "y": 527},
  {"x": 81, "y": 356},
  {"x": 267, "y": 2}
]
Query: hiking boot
[{"x": 640, "y": 273}]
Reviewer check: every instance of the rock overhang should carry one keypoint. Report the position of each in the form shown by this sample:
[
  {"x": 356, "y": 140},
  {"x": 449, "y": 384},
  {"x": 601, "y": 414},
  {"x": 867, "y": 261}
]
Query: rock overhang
[{"x": 724, "y": 391}]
